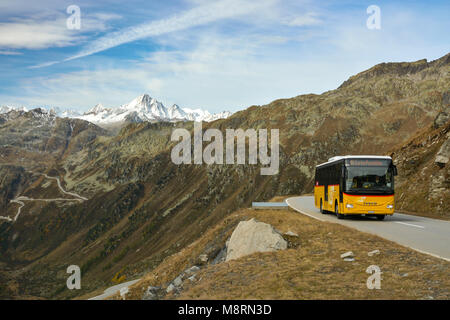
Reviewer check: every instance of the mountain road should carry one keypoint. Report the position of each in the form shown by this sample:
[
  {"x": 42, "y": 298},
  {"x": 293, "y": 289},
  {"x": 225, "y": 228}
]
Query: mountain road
[{"x": 426, "y": 235}]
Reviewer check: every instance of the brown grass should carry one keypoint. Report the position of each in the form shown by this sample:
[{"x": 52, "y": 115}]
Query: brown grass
[{"x": 310, "y": 269}]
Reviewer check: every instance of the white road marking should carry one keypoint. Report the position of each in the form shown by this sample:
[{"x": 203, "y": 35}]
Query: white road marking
[
  {"x": 410, "y": 224},
  {"x": 302, "y": 212},
  {"x": 429, "y": 253}
]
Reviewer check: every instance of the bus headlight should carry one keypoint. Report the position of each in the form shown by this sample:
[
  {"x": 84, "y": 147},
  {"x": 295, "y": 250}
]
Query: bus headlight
[
  {"x": 390, "y": 206},
  {"x": 350, "y": 206}
]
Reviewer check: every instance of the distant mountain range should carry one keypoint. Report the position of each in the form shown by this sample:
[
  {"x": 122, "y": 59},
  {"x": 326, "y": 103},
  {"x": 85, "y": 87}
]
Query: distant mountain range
[{"x": 141, "y": 109}]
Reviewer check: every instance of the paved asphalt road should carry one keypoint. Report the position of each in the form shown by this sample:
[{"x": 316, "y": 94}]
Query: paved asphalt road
[
  {"x": 112, "y": 290},
  {"x": 426, "y": 235}
]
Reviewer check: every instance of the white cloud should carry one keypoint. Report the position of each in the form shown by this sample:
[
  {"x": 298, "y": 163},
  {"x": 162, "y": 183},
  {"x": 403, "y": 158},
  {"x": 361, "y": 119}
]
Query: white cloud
[
  {"x": 45, "y": 30},
  {"x": 29, "y": 34},
  {"x": 10, "y": 53},
  {"x": 83, "y": 89},
  {"x": 308, "y": 19}
]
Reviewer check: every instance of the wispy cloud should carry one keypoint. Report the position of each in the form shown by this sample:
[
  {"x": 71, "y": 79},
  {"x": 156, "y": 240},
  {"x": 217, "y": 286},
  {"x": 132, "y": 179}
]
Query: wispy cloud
[
  {"x": 199, "y": 15},
  {"x": 207, "y": 69},
  {"x": 34, "y": 34},
  {"x": 45, "y": 31},
  {"x": 10, "y": 53},
  {"x": 308, "y": 19}
]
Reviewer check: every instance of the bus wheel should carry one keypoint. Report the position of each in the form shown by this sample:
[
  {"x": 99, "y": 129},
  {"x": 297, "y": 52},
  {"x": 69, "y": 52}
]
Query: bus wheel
[
  {"x": 336, "y": 210},
  {"x": 381, "y": 216},
  {"x": 321, "y": 208}
]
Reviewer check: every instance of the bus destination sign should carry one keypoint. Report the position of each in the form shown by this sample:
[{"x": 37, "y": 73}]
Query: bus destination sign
[{"x": 367, "y": 162}]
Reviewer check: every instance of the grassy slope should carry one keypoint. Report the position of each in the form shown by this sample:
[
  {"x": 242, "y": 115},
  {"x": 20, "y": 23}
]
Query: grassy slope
[{"x": 310, "y": 269}]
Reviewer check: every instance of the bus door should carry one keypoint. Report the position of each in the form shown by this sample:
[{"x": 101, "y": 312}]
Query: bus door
[
  {"x": 342, "y": 183},
  {"x": 325, "y": 185}
]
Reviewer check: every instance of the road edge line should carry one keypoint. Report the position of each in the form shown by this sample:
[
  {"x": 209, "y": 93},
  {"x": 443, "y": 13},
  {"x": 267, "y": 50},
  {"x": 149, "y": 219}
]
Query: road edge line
[
  {"x": 421, "y": 251},
  {"x": 306, "y": 214}
]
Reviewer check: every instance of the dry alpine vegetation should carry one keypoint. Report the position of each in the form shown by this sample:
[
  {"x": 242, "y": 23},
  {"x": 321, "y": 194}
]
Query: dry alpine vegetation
[
  {"x": 311, "y": 267},
  {"x": 142, "y": 208}
]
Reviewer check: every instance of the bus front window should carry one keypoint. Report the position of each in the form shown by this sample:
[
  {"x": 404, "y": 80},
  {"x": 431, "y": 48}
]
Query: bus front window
[{"x": 373, "y": 179}]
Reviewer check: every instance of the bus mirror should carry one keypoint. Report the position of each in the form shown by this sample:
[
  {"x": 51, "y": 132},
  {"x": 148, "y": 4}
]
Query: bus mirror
[
  {"x": 395, "y": 170},
  {"x": 343, "y": 171}
]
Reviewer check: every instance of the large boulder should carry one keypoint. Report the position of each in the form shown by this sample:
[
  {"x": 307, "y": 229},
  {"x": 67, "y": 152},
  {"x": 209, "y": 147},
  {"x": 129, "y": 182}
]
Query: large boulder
[{"x": 252, "y": 236}]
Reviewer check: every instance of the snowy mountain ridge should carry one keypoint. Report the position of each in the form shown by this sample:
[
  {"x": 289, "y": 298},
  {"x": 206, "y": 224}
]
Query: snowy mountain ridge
[{"x": 141, "y": 109}]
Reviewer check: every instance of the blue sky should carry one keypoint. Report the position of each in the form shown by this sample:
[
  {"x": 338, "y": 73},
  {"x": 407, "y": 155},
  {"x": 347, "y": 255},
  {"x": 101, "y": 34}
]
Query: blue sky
[{"x": 215, "y": 55}]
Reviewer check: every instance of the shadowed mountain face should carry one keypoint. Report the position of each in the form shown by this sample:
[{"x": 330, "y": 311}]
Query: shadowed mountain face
[
  {"x": 424, "y": 183},
  {"x": 141, "y": 207}
]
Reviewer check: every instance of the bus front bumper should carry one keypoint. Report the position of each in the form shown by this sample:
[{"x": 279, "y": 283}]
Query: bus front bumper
[{"x": 372, "y": 210}]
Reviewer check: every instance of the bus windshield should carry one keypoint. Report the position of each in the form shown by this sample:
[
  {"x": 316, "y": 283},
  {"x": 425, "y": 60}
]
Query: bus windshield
[{"x": 373, "y": 179}]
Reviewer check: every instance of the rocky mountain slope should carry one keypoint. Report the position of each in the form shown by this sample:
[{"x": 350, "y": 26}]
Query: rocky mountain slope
[
  {"x": 142, "y": 208},
  {"x": 424, "y": 183}
]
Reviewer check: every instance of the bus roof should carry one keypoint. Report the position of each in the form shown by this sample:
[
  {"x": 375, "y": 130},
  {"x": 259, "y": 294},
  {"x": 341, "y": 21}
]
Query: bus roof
[{"x": 337, "y": 158}]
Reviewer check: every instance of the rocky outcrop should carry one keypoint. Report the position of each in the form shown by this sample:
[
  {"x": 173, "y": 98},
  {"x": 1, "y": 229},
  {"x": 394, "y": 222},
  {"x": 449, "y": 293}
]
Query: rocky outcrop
[
  {"x": 174, "y": 287},
  {"x": 443, "y": 154},
  {"x": 423, "y": 183},
  {"x": 253, "y": 236},
  {"x": 442, "y": 118},
  {"x": 153, "y": 293}
]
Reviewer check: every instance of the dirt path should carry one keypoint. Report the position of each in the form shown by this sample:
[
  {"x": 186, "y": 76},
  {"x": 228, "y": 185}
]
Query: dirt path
[{"x": 64, "y": 191}]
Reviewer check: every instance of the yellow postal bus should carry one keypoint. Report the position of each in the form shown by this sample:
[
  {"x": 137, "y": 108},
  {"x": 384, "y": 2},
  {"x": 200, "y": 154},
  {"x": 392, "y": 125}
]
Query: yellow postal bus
[{"x": 356, "y": 185}]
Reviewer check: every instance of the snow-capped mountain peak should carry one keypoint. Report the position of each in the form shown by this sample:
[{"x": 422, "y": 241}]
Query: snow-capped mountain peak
[
  {"x": 146, "y": 108},
  {"x": 98, "y": 108},
  {"x": 175, "y": 112},
  {"x": 140, "y": 109},
  {"x": 6, "y": 109}
]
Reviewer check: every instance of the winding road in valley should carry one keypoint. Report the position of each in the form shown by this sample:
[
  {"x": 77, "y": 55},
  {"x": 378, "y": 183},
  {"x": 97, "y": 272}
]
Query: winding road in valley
[
  {"x": 426, "y": 235},
  {"x": 19, "y": 200},
  {"x": 64, "y": 191}
]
